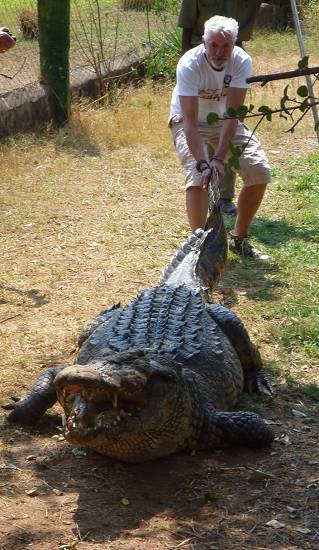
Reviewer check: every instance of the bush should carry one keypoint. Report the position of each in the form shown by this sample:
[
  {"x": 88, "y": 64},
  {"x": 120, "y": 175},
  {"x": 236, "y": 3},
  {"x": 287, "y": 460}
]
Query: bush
[
  {"x": 161, "y": 64},
  {"x": 28, "y": 23}
]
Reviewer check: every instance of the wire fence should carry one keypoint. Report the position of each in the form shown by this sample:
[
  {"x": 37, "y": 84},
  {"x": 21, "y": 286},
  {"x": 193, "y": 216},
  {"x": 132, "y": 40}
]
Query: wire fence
[{"x": 100, "y": 29}]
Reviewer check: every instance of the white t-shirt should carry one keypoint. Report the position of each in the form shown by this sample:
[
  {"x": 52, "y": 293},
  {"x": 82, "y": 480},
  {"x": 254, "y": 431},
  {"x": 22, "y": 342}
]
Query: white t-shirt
[{"x": 196, "y": 77}]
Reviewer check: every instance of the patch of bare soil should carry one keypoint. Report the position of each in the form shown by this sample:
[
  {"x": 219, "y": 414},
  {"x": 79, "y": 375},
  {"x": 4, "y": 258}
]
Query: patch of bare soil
[{"x": 56, "y": 496}]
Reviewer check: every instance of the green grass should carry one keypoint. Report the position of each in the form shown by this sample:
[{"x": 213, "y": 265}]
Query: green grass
[{"x": 288, "y": 289}]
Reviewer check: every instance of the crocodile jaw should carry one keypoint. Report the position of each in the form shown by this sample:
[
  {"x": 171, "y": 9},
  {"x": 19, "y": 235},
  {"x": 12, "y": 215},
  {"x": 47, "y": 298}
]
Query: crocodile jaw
[{"x": 123, "y": 412}]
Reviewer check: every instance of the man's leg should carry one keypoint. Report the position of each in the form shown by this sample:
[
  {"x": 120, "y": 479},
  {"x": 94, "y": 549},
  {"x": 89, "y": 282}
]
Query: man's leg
[
  {"x": 196, "y": 207},
  {"x": 226, "y": 187},
  {"x": 249, "y": 200},
  {"x": 255, "y": 172},
  {"x": 227, "y": 192}
]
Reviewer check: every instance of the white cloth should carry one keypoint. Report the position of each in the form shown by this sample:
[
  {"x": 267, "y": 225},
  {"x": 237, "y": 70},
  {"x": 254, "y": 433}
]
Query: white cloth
[{"x": 196, "y": 77}]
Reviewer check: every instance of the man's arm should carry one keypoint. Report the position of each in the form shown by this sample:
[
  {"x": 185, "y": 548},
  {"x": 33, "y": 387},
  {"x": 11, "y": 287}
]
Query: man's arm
[{"x": 189, "y": 107}]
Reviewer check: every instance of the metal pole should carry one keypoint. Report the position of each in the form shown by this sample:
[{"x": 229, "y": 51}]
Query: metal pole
[{"x": 303, "y": 53}]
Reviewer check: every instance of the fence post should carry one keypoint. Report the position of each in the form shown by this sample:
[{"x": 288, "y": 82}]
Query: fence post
[{"x": 54, "y": 43}]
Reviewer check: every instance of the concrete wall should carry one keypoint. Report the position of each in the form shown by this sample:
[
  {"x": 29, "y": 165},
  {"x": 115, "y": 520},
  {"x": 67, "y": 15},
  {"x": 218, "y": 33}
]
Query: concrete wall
[{"x": 30, "y": 108}]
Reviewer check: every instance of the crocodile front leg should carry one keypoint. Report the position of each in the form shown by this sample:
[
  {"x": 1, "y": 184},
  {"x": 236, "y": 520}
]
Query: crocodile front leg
[
  {"x": 33, "y": 405},
  {"x": 255, "y": 380}
]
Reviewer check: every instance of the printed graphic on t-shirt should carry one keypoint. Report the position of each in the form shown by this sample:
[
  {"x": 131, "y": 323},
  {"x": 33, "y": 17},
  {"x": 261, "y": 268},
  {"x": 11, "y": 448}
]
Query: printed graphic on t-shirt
[
  {"x": 227, "y": 80},
  {"x": 216, "y": 94},
  {"x": 209, "y": 94}
]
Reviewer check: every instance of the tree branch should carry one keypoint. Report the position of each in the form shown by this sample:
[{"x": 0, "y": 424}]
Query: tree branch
[{"x": 264, "y": 78}]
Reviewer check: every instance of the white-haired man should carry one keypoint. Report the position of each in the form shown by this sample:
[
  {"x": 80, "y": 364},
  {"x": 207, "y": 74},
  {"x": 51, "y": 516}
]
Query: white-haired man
[{"x": 212, "y": 78}]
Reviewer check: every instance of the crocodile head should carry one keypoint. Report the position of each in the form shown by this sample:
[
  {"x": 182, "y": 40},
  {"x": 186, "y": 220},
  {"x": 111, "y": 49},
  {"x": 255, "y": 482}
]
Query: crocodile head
[{"x": 130, "y": 406}]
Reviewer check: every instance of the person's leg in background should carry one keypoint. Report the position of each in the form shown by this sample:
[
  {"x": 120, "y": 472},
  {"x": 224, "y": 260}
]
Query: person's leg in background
[
  {"x": 227, "y": 192},
  {"x": 226, "y": 187}
]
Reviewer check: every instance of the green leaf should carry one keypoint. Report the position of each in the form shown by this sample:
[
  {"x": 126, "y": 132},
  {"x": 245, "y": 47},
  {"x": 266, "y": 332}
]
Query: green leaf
[
  {"x": 304, "y": 105},
  {"x": 303, "y": 63},
  {"x": 264, "y": 109},
  {"x": 231, "y": 113},
  {"x": 302, "y": 91},
  {"x": 251, "y": 108},
  {"x": 268, "y": 117},
  {"x": 233, "y": 162},
  {"x": 242, "y": 111},
  {"x": 285, "y": 91},
  {"x": 212, "y": 118}
]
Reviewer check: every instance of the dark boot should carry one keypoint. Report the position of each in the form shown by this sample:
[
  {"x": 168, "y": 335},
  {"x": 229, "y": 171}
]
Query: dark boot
[
  {"x": 228, "y": 207},
  {"x": 242, "y": 247}
]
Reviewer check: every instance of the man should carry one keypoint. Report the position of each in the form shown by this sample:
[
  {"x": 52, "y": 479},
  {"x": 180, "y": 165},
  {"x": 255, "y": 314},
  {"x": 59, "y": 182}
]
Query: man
[
  {"x": 7, "y": 41},
  {"x": 192, "y": 16},
  {"x": 212, "y": 78}
]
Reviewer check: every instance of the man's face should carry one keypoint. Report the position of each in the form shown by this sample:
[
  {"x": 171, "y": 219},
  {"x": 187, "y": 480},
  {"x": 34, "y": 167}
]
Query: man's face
[{"x": 218, "y": 48}]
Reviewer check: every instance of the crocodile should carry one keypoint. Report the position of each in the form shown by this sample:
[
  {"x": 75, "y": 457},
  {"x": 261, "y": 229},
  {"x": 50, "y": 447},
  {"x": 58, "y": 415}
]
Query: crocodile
[{"x": 163, "y": 373}]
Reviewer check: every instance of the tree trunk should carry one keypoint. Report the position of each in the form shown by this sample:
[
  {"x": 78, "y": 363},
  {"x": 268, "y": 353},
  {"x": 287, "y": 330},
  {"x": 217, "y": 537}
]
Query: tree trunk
[{"x": 54, "y": 42}]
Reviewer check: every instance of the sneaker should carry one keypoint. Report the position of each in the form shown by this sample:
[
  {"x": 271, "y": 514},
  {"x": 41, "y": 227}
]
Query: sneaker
[
  {"x": 228, "y": 207},
  {"x": 242, "y": 247}
]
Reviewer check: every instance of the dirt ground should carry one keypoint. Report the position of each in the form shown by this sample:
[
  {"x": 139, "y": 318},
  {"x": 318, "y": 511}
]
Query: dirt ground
[{"x": 54, "y": 496}]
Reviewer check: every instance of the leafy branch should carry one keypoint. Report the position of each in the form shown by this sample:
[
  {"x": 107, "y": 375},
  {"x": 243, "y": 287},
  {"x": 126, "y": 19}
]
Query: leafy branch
[{"x": 288, "y": 107}]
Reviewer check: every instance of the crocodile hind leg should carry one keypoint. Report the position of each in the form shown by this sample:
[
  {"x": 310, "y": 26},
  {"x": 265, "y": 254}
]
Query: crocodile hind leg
[
  {"x": 33, "y": 405},
  {"x": 222, "y": 429},
  {"x": 255, "y": 380}
]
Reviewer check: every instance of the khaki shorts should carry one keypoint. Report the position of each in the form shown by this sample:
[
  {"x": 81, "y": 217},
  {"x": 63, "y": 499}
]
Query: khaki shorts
[{"x": 254, "y": 166}]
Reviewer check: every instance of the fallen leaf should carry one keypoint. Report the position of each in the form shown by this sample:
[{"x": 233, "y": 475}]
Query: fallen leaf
[
  {"x": 125, "y": 501},
  {"x": 259, "y": 475},
  {"x": 304, "y": 530},
  {"x": 293, "y": 512},
  {"x": 299, "y": 414},
  {"x": 32, "y": 492},
  {"x": 10, "y": 467},
  {"x": 275, "y": 524},
  {"x": 79, "y": 452}
]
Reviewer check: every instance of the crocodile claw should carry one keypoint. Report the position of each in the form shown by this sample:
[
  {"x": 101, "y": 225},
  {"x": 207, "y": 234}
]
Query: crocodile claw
[
  {"x": 10, "y": 406},
  {"x": 257, "y": 382}
]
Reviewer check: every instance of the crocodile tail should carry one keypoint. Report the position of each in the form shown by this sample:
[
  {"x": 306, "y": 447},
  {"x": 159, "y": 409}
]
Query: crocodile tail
[
  {"x": 213, "y": 250},
  {"x": 187, "y": 249},
  {"x": 199, "y": 262}
]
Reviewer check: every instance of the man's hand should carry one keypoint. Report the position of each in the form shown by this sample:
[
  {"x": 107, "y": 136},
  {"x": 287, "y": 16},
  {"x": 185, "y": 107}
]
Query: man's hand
[
  {"x": 7, "y": 40},
  {"x": 219, "y": 165}
]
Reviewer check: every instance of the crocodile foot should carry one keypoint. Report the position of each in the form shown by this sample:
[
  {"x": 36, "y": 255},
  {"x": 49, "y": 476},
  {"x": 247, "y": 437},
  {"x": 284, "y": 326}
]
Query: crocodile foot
[{"x": 257, "y": 382}]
